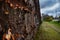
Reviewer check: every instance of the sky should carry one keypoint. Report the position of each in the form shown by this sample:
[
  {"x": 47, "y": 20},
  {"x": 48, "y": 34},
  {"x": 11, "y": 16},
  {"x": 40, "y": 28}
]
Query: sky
[{"x": 50, "y": 7}]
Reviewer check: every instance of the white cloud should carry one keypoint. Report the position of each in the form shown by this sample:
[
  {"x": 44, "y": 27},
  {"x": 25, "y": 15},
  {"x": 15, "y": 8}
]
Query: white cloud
[
  {"x": 55, "y": 6},
  {"x": 43, "y": 0}
]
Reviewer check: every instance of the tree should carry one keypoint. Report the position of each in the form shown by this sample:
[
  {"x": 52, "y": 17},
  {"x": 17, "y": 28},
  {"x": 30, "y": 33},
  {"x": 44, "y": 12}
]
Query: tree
[
  {"x": 59, "y": 18},
  {"x": 47, "y": 17}
]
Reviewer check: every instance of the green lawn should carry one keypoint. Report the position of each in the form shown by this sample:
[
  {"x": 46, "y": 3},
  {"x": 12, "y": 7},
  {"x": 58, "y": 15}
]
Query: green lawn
[
  {"x": 56, "y": 24},
  {"x": 48, "y": 31}
]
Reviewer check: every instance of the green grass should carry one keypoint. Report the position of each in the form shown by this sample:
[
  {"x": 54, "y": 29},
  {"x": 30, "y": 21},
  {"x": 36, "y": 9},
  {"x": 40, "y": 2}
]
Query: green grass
[
  {"x": 55, "y": 23},
  {"x": 45, "y": 32},
  {"x": 38, "y": 34}
]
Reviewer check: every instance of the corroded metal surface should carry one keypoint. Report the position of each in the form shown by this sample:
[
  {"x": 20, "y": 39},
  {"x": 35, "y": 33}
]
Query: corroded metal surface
[{"x": 22, "y": 16}]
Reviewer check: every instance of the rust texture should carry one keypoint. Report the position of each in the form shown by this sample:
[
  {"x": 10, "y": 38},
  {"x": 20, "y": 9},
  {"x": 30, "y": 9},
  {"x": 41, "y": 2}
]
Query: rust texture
[{"x": 22, "y": 16}]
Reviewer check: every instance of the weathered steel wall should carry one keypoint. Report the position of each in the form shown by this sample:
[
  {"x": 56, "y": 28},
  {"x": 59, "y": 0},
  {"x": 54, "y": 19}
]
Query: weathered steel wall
[{"x": 23, "y": 16}]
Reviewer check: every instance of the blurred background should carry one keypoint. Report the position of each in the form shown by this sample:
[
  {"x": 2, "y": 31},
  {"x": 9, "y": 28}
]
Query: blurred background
[{"x": 50, "y": 16}]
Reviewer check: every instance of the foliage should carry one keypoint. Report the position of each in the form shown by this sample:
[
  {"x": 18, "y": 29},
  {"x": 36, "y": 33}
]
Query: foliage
[
  {"x": 59, "y": 18},
  {"x": 47, "y": 17}
]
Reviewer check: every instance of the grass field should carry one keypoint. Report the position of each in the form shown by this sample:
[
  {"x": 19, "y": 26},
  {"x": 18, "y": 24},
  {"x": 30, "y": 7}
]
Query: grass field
[
  {"x": 48, "y": 31},
  {"x": 55, "y": 23}
]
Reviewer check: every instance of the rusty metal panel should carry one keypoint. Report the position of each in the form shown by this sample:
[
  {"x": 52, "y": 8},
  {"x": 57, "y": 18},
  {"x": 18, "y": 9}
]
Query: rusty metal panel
[{"x": 22, "y": 16}]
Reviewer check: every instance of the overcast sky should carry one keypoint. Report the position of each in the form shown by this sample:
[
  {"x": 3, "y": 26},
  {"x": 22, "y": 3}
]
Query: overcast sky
[{"x": 50, "y": 7}]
